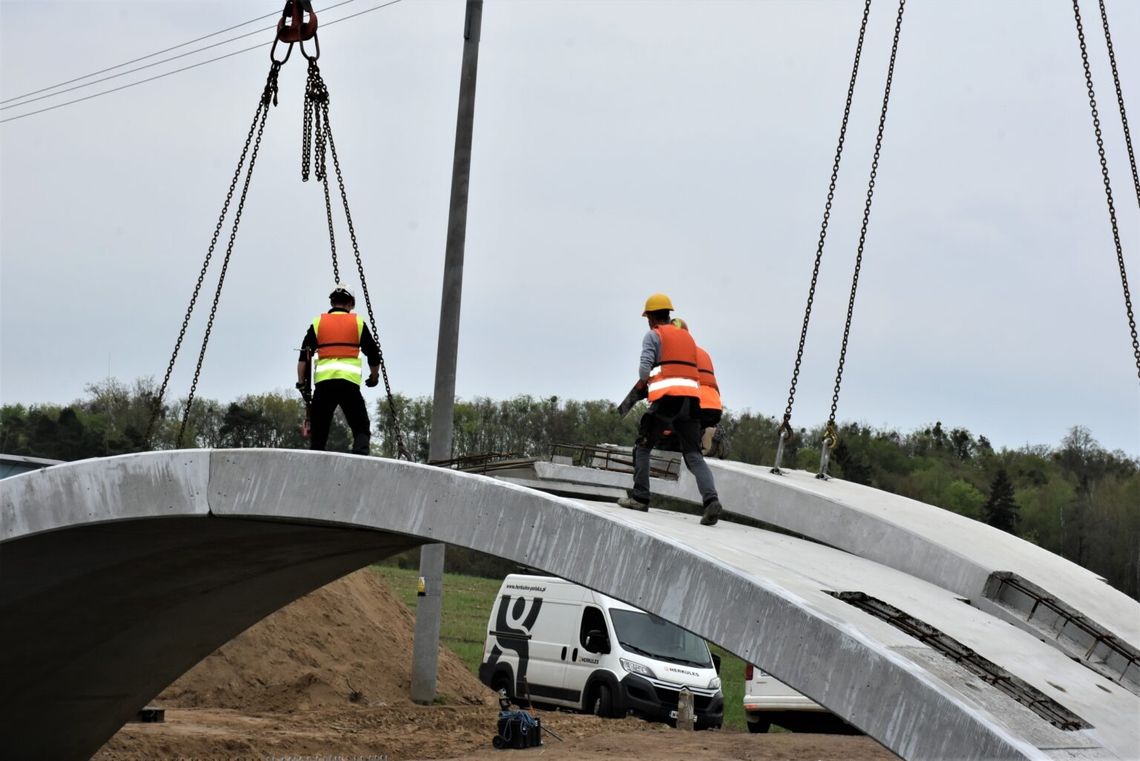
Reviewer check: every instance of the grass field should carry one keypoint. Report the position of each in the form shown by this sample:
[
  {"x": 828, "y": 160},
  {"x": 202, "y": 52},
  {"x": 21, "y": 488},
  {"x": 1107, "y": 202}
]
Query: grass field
[{"x": 467, "y": 605}]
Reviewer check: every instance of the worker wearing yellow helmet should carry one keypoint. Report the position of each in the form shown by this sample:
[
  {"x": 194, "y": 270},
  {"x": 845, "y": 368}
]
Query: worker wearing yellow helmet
[
  {"x": 335, "y": 341},
  {"x": 669, "y": 371}
]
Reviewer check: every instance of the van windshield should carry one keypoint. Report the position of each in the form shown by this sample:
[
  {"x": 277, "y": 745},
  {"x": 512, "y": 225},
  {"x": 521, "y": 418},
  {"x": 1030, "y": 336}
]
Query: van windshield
[{"x": 655, "y": 637}]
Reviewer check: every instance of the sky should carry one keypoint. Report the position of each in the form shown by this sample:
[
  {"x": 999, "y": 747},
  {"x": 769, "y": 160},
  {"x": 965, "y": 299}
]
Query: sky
[{"x": 620, "y": 149}]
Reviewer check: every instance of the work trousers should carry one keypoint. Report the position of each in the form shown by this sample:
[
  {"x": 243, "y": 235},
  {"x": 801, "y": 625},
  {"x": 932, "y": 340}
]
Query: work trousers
[
  {"x": 327, "y": 396},
  {"x": 681, "y": 414}
]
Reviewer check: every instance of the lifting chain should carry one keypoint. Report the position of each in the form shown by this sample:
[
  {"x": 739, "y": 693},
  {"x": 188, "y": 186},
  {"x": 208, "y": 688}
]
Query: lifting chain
[
  {"x": 317, "y": 99},
  {"x": 315, "y": 128},
  {"x": 831, "y": 435},
  {"x": 256, "y": 128},
  {"x": 1120, "y": 100},
  {"x": 1104, "y": 167},
  {"x": 785, "y": 429}
]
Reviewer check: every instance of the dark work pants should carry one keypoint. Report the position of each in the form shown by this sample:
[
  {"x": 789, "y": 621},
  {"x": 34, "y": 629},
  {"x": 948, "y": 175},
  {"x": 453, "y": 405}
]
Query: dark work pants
[
  {"x": 680, "y": 414},
  {"x": 329, "y": 395},
  {"x": 710, "y": 418}
]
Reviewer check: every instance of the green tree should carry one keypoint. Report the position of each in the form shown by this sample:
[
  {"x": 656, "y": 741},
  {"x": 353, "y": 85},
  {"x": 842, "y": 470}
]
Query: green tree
[
  {"x": 1001, "y": 510},
  {"x": 119, "y": 413},
  {"x": 963, "y": 498}
]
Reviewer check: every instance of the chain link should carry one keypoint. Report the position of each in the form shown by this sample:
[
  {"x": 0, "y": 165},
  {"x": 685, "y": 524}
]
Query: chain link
[
  {"x": 785, "y": 427},
  {"x": 316, "y": 98},
  {"x": 222, "y": 273},
  {"x": 268, "y": 96},
  {"x": 1120, "y": 100},
  {"x": 1104, "y": 174},
  {"x": 866, "y": 220},
  {"x": 307, "y": 127},
  {"x": 332, "y": 231},
  {"x": 324, "y": 136}
]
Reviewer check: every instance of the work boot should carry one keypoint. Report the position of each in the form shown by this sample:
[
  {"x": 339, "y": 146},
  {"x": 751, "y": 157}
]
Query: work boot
[
  {"x": 712, "y": 513},
  {"x": 633, "y": 504},
  {"x": 360, "y": 444}
]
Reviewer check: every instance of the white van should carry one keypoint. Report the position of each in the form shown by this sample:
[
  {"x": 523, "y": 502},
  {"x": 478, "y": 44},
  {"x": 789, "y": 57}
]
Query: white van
[
  {"x": 575, "y": 648},
  {"x": 768, "y": 701}
]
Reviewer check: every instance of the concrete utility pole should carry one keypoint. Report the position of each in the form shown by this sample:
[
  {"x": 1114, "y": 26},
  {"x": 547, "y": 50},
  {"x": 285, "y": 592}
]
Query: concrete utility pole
[{"x": 425, "y": 653}]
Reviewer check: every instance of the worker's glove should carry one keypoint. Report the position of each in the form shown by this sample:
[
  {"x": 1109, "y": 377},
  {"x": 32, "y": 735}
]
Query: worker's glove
[
  {"x": 642, "y": 389},
  {"x": 372, "y": 381},
  {"x": 305, "y": 393}
]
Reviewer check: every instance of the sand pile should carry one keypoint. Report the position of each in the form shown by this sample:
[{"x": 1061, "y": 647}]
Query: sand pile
[
  {"x": 285, "y": 689},
  {"x": 348, "y": 642}
]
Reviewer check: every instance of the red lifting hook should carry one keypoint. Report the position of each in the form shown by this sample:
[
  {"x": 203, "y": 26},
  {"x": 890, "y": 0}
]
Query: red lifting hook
[{"x": 298, "y": 30}]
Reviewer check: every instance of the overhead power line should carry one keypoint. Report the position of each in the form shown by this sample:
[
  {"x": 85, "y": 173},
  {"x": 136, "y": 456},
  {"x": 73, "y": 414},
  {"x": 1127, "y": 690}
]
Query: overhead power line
[
  {"x": 191, "y": 66},
  {"x": 136, "y": 60},
  {"x": 25, "y": 98},
  {"x": 137, "y": 68},
  {"x": 132, "y": 84}
]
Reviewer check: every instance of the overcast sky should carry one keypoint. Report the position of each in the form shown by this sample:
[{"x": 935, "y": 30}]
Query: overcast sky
[{"x": 620, "y": 148}]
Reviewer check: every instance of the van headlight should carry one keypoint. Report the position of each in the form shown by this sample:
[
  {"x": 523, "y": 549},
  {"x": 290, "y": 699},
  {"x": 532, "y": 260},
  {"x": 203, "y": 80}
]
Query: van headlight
[
  {"x": 714, "y": 683},
  {"x": 636, "y": 668}
]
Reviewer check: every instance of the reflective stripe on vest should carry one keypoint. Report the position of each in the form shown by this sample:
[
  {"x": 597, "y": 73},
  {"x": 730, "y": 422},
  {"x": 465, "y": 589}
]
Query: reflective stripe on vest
[
  {"x": 338, "y": 346},
  {"x": 676, "y": 371},
  {"x": 710, "y": 391}
]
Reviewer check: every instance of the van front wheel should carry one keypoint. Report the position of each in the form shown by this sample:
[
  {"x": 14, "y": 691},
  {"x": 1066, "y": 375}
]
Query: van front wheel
[
  {"x": 604, "y": 702},
  {"x": 756, "y": 727}
]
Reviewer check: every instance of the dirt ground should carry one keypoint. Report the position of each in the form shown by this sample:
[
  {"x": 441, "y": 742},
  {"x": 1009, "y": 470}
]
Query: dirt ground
[
  {"x": 328, "y": 678},
  {"x": 458, "y": 733}
]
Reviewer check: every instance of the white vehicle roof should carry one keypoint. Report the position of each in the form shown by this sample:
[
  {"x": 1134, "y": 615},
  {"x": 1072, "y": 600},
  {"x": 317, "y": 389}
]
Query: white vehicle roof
[{"x": 585, "y": 595}]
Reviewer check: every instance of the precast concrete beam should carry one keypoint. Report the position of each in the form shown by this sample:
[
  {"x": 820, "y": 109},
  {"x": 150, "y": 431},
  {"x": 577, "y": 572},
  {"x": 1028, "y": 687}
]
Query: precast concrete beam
[
  {"x": 160, "y": 558},
  {"x": 1006, "y": 576}
]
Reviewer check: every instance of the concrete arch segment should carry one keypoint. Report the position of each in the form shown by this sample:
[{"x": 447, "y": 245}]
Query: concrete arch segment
[
  {"x": 1096, "y": 623},
  {"x": 1023, "y": 584},
  {"x": 192, "y": 547},
  {"x": 945, "y": 548}
]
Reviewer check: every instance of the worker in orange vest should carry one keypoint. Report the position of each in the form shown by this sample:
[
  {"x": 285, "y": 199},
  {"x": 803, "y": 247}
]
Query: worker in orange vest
[
  {"x": 711, "y": 407},
  {"x": 335, "y": 339},
  {"x": 669, "y": 370}
]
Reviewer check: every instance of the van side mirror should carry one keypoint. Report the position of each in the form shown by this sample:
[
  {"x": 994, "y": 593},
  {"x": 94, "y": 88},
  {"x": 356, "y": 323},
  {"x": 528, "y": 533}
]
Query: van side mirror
[
  {"x": 597, "y": 642},
  {"x": 716, "y": 662}
]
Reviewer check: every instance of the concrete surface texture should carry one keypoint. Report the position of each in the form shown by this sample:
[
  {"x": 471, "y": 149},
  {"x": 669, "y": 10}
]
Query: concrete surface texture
[
  {"x": 1102, "y": 626},
  {"x": 117, "y": 575}
]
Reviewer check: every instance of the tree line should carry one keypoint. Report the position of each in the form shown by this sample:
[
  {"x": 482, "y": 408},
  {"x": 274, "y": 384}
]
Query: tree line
[{"x": 1075, "y": 499}]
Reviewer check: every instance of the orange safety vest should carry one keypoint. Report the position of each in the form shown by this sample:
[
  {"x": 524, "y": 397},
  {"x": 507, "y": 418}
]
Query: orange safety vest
[
  {"x": 710, "y": 391},
  {"x": 338, "y": 346},
  {"x": 676, "y": 371}
]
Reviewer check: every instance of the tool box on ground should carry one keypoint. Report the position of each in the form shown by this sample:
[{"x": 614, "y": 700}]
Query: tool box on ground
[{"x": 518, "y": 729}]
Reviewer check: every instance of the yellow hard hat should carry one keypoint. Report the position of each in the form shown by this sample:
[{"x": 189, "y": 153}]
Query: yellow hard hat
[
  {"x": 679, "y": 323},
  {"x": 656, "y": 303}
]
